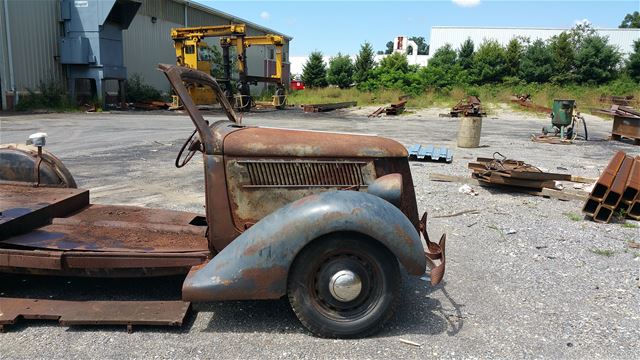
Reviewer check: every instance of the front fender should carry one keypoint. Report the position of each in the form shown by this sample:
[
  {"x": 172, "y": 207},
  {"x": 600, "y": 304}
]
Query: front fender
[{"x": 256, "y": 264}]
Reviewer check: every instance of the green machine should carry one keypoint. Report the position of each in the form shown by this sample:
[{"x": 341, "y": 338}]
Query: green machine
[{"x": 564, "y": 120}]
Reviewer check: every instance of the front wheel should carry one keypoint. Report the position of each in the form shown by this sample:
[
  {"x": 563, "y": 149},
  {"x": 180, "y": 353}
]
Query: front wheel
[{"x": 344, "y": 286}]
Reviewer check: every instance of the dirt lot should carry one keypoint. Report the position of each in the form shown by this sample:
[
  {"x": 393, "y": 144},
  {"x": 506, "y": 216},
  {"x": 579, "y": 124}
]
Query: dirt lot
[{"x": 525, "y": 276}]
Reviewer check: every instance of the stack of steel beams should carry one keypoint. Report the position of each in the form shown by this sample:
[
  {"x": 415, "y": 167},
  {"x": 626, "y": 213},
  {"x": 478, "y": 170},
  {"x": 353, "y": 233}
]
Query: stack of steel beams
[{"x": 617, "y": 189}]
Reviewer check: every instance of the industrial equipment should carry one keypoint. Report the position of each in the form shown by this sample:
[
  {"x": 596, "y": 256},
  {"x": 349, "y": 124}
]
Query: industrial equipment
[
  {"x": 192, "y": 52},
  {"x": 242, "y": 44},
  {"x": 91, "y": 46},
  {"x": 564, "y": 119},
  {"x": 323, "y": 218}
]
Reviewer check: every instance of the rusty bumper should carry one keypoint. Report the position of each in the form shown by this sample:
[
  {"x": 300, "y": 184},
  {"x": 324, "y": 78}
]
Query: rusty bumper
[{"x": 256, "y": 264}]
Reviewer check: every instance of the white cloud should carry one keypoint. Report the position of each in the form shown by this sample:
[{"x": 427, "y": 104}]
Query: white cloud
[
  {"x": 265, "y": 15},
  {"x": 466, "y": 3},
  {"x": 583, "y": 22}
]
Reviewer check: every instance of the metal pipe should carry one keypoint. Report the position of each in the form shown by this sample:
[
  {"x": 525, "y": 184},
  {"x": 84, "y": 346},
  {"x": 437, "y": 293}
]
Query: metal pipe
[
  {"x": 186, "y": 10},
  {"x": 10, "y": 53}
]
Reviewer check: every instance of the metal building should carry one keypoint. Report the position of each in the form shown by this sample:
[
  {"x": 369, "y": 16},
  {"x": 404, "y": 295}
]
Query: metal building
[
  {"x": 456, "y": 35},
  {"x": 30, "y": 31}
]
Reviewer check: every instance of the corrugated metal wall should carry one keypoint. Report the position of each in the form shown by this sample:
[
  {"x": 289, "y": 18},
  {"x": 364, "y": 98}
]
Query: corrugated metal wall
[
  {"x": 35, "y": 30},
  {"x": 455, "y": 36},
  {"x": 34, "y": 35}
]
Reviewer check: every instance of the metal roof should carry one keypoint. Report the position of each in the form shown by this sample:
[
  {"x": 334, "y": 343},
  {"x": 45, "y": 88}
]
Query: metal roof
[
  {"x": 234, "y": 19},
  {"x": 456, "y": 35}
]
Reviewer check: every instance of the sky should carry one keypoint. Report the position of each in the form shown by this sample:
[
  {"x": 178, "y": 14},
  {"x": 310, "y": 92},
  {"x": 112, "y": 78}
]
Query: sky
[{"x": 342, "y": 26}]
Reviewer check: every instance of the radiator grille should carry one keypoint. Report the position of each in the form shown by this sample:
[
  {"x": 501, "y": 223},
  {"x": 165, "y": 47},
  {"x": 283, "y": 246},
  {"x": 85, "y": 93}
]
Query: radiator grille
[{"x": 304, "y": 173}]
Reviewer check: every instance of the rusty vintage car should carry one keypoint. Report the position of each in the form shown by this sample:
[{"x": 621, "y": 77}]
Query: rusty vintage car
[{"x": 325, "y": 219}]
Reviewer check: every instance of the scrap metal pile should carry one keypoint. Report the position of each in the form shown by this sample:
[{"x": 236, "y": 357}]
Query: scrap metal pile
[
  {"x": 327, "y": 107},
  {"x": 393, "y": 109},
  {"x": 617, "y": 190},
  {"x": 526, "y": 101},
  {"x": 513, "y": 173},
  {"x": 469, "y": 106}
]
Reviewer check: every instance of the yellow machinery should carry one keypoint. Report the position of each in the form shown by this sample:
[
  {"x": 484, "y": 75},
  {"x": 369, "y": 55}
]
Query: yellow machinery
[
  {"x": 192, "y": 52},
  {"x": 243, "y": 101}
]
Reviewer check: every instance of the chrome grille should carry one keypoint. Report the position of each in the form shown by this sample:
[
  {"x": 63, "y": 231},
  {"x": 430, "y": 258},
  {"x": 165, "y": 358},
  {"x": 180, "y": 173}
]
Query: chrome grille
[{"x": 304, "y": 173}]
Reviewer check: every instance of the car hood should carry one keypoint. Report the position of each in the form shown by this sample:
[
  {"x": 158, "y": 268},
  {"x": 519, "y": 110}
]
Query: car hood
[{"x": 277, "y": 142}]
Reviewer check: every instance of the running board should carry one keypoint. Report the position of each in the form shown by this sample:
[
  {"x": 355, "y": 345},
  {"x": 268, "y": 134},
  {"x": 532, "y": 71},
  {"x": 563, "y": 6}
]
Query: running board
[{"x": 68, "y": 313}]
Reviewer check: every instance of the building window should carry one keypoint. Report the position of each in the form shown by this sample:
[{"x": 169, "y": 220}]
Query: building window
[{"x": 272, "y": 54}]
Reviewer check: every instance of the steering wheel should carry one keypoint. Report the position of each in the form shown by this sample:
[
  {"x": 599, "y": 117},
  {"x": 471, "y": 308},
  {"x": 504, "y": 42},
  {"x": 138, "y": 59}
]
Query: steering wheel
[{"x": 193, "y": 145}]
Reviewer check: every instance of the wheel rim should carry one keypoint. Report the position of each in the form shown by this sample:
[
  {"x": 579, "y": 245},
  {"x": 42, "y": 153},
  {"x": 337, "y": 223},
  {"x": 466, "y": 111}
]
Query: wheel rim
[{"x": 352, "y": 299}]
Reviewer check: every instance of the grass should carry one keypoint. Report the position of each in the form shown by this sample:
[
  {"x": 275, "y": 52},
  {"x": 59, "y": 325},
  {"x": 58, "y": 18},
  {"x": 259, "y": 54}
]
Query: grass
[
  {"x": 603, "y": 252},
  {"x": 573, "y": 216},
  {"x": 629, "y": 225},
  {"x": 587, "y": 97}
]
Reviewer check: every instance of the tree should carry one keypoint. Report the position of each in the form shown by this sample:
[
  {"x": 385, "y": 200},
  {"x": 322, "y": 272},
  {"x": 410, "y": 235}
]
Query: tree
[
  {"x": 513, "y": 57},
  {"x": 536, "y": 63},
  {"x": 314, "y": 71},
  {"x": 563, "y": 53},
  {"x": 364, "y": 63},
  {"x": 596, "y": 60},
  {"x": 633, "y": 65},
  {"x": 631, "y": 21},
  {"x": 489, "y": 63},
  {"x": 394, "y": 62},
  {"x": 340, "y": 71},
  {"x": 465, "y": 54},
  {"x": 444, "y": 69},
  {"x": 580, "y": 32},
  {"x": 423, "y": 47},
  {"x": 389, "y": 49}
]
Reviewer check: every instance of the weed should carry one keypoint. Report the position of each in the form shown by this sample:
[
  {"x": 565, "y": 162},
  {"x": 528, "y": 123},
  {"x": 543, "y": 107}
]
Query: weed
[
  {"x": 573, "y": 216},
  {"x": 51, "y": 95},
  {"x": 603, "y": 252},
  {"x": 629, "y": 225}
]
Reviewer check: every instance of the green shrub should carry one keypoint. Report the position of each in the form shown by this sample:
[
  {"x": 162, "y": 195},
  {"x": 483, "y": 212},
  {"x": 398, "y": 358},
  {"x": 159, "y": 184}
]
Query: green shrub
[
  {"x": 137, "y": 91},
  {"x": 51, "y": 95}
]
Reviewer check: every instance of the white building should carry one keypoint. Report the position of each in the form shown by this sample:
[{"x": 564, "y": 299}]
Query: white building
[{"x": 456, "y": 35}]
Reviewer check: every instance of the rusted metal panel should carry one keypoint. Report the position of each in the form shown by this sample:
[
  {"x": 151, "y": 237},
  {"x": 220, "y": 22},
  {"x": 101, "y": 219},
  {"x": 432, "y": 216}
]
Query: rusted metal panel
[
  {"x": 272, "y": 142},
  {"x": 632, "y": 187},
  {"x": 256, "y": 188},
  {"x": 31, "y": 259},
  {"x": 626, "y": 126},
  {"x": 614, "y": 194},
  {"x": 255, "y": 265},
  {"x": 23, "y": 208},
  {"x": 67, "y": 313},
  {"x": 606, "y": 179},
  {"x": 19, "y": 163},
  {"x": 327, "y": 107}
]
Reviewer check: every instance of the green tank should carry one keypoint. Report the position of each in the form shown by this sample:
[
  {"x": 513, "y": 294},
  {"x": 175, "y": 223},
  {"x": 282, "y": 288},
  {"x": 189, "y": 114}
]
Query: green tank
[{"x": 562, "y": 112}]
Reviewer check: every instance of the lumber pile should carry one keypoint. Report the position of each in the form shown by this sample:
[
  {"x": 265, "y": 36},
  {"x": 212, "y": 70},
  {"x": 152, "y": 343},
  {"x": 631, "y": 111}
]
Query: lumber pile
[
  {"x": 619, "y": 110},
  {"x": 327, "y": 107},
  {"x": 616, "y": 190},
  {"x": 513, "y": 173}
]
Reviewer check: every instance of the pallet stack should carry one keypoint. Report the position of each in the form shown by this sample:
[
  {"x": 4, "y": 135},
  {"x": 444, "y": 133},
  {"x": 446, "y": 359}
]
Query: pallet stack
[{"x": 617, "y": 189}]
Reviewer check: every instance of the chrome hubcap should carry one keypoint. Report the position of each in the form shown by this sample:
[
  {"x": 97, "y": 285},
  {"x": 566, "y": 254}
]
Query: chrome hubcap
[{"x": 345, "y": 285}]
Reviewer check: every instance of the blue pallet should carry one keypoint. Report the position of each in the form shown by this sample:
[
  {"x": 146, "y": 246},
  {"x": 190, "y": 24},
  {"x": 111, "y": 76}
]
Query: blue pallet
[{"x": 418, "y": 152}]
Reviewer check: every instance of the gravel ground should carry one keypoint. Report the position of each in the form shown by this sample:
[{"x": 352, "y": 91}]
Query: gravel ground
[{"x": 524, "y": 278}]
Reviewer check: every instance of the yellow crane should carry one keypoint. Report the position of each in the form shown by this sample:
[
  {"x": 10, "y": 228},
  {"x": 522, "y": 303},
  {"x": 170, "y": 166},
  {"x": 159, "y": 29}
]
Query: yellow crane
[
  {"x": 192, "y": 52},
  {"x": 242, "y": 44}
]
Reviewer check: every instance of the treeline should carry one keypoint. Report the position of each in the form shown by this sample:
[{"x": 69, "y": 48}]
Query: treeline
[{"x": 576, "y": 57}]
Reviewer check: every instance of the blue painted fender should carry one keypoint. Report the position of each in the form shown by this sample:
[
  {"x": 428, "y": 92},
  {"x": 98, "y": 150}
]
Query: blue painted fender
[{"x": 256, "y": 264}]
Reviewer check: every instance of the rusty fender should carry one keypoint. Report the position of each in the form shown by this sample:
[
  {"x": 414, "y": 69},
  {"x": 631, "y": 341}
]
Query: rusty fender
[{"x": 256, "y": 264}]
